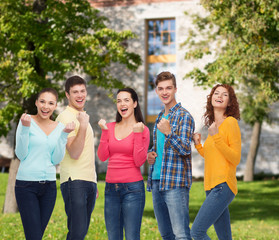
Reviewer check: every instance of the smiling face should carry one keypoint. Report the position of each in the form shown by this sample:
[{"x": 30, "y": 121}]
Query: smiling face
[
  {"x": 166, "y": 92},
  {"x": 220, "y": 98},
  {"x": 125, "y": 104},
  {"x": 46, "y": 104},
  {"x": 77, "y": 96}
]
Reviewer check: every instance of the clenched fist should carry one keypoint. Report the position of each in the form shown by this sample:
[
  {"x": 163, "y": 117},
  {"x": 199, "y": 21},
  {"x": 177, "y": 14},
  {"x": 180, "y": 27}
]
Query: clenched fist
[
  {"x": 197, "y": 138},
  {"x": 83, "y": 118},
  {"x": 151, "y": 157},
  {"x": 103, "y": 124},
  {"x": 25, "y": 120},
  {"x": 213, "y": 129},
  {"x": 69, "y": 127},
  {"x": 138, "y": 127},
  {"x": 164, "y": 126}
]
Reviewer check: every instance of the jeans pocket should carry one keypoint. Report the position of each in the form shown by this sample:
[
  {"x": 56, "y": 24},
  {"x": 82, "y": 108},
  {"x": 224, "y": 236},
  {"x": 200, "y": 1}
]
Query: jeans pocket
[
  {"x": 218, "y": 188},
  {"x": 22, "y": 184},
  {"x": 135, "y": 187}
]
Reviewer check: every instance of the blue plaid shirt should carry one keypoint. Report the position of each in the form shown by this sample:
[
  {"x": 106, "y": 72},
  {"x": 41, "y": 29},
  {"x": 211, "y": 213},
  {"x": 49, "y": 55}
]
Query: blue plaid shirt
[{"x": 176, "y": 168}]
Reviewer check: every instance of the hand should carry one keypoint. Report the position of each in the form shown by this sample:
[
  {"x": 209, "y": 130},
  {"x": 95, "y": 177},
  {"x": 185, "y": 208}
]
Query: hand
[
  {"x": 97, "y": 194},
  {"x": 138, "y": 127},
  {"x": 83, "y": 118},
  {"x": 151, "y": 157},
  {"x": 197, "y": 138},
  {"x": 213, "y": 129},
  {"x": 69, "y": 127},
  {"x": 25, "y": 120},
  {"x": 103, "y": 124},
  {"x": 164, "y": 126}
]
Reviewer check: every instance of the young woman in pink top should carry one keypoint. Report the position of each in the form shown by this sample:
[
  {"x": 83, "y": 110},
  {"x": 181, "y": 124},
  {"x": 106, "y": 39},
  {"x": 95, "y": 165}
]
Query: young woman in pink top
[
  {"x": 222, "y": 153},
  {"x": 125, "y": 143}
]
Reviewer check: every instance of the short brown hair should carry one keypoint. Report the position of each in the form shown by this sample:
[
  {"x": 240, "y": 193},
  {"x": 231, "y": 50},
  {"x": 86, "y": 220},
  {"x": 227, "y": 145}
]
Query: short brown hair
[
  {"x": 72, "y": 81},
  {"x": 164, "y": 76}
]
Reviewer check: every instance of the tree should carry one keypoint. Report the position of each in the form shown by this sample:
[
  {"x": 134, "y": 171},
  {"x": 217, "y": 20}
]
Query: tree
[
  {"x": 243, "y": 38},
  {"x": 43, "y": 40}
]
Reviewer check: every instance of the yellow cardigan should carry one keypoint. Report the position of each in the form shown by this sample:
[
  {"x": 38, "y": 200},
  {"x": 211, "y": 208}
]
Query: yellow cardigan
[{"x": 222, "y": 153}]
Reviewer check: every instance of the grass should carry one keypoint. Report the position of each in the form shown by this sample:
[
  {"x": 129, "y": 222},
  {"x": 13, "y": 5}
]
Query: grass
[{"x": 254, "y": 214}]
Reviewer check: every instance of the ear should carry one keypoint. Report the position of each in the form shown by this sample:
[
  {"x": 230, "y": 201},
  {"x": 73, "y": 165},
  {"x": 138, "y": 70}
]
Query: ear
[
  {"x": 135, "y": 104},
  {"x": 36, "y": 103},
  {"x": 67, "y": 95}
]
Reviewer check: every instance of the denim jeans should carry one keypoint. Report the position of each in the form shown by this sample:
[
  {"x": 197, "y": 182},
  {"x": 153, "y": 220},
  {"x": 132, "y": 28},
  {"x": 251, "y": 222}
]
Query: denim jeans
[
  {"x": 35, "y": 202},
  {"x": 171, "y": 210},
  {"x": 124, "y": 205},
  {"x": 79, "y": 198},
  {"x": 215, "y": 211}
]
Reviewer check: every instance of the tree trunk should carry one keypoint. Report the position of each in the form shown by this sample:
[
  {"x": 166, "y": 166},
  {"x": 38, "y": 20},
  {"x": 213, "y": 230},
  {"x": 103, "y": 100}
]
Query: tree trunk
[
  {"x": 251, "y": 158},
  {"x": 10, "y": 205}
]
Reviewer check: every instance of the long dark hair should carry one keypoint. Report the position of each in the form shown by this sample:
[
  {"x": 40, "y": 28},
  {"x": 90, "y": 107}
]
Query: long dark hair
[
  {"x": 232, "y": 108},
  {"x": 137, "y": 111}
]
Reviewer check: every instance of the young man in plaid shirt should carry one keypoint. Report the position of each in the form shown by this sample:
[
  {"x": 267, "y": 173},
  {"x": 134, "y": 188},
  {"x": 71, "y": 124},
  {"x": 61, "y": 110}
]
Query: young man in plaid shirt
[{"x": 170, "y": 174}]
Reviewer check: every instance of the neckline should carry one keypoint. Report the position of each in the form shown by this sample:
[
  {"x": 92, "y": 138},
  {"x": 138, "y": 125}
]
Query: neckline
[
  {"x": 121, "y": 138},
  {"x": 32, "y": 120}
]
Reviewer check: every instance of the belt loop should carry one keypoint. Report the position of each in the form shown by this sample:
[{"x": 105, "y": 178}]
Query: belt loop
[{"x": 42, "y": 182}]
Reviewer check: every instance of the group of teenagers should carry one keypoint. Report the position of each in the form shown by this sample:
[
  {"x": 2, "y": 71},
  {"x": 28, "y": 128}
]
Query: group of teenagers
[{"x": 68, "y": 140}]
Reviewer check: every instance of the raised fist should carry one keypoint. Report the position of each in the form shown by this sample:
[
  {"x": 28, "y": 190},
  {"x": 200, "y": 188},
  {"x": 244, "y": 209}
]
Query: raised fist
[
  {"x": 138, "y": 127},
  {"x": 103, "y": 124},
  {"x": 197, "y": 138},
  {"x": 69, "y": 127},
  {"x": 26, "y": 120},
  {"x": 83, "y": 118}
]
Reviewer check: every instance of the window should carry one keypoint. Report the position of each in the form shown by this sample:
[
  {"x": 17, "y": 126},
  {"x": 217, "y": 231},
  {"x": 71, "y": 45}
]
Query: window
[{"x": 160, "y": 57}]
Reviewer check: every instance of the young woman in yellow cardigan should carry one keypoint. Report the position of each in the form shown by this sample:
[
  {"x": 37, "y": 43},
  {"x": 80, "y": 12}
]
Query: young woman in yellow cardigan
[{"x": 221, "y": 152}]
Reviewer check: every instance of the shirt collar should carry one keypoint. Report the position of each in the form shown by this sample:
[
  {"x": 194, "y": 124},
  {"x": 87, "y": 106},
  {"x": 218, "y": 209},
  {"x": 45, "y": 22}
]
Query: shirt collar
[
  {"x": 173, "y": 109},
  {"x": 73, "y": 110}
]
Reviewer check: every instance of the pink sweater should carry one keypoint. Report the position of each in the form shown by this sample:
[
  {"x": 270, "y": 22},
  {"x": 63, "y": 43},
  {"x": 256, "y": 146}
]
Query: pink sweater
[{"x": 126, "y": 156}]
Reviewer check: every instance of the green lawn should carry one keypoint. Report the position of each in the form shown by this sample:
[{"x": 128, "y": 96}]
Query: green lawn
[{"x": 254, "y": 214}]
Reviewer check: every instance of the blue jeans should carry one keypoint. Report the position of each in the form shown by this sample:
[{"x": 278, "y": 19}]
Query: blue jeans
[
  {"x": 171, "y": 210},
  {"x": 124, "y": 204},
  {"x": 79, "y": 198},
  {"x": 35, "y": 202},
  {"x": 214, "y": 210}
]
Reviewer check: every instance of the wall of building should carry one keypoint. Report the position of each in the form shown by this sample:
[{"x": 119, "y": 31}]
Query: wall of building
[{"x": 193, "y": 98}]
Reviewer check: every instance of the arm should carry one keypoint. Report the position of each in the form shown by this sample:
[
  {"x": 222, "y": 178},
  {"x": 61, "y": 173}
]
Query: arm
[
  {"x": 59, "y": 150},
  {"x": 76, "y": 143},
  {"x": 197, "y": 142},
  {"x": 22, "y": 136},
  {"x": 103, "y": 149},
  {"x": 22, "y": 141},
  {"x": 200, "y": 149},
  {"x": 141, "y": 144},
  {"x": 180, "y": 139},
  {"x": 232, "y": 150}
]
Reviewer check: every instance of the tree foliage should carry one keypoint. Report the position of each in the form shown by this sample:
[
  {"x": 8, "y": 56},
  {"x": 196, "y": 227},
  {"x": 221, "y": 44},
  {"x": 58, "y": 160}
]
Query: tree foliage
[
  {"x": 243, "y": 37},
  {"x": 42, "y": 40}
]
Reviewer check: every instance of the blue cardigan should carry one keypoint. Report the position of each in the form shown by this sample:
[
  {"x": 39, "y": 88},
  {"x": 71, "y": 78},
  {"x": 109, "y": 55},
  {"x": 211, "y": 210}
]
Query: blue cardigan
[{"x": 39, "y": 153}]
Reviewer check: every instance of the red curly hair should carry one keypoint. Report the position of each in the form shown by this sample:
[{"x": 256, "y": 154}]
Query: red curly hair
[{"x": 232, "y": 108}]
